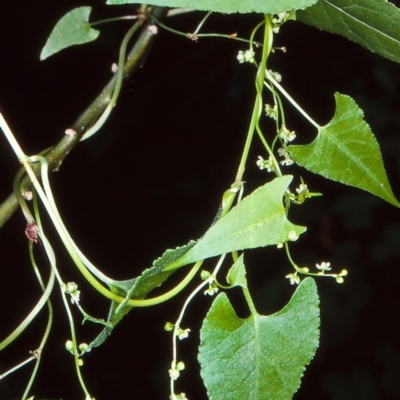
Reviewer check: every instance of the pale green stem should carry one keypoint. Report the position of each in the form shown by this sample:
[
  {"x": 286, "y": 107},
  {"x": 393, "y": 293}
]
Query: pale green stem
[
  {"x": 16, "y": 367},
  {"x": 107, "y": 20},
  {"x": 48, "y": 326},
  {"x": 179, "y": 320},
  {"x": 31, "y": 316},
  {"x": 118, "y": 84},
  {"x": 201, "y": 23},
  {"x": 291, "y": 100},
  {"x": 257, "y": 110},
  {"x": 249, "y": 301},
  {"x": 73, "y": 339},
  {"x": 197, "y": 35}
]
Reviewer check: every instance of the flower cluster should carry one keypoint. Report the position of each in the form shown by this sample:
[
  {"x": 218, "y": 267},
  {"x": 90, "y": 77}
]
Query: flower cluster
[
  {"x": 72, "y": 289},
  {"x": 175, "y": 369},
  {"x": 280, "y": 18},
  {"x": 286, "y": 136},
  {"x": 283, "y": 152},
  {"x": 276, "y": 75},
  {"x": 271, "y": 111},
  {"x": 246, "y": 56},
  {"x": 322, "y": 268},
  {"x": 265, "y": 164}
]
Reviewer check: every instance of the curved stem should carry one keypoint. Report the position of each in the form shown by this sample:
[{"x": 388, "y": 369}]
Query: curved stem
[
  {"x": 29, "y": 318},
  {"x": 118, "y": 84},
  {"x": 46, "y": 334}
]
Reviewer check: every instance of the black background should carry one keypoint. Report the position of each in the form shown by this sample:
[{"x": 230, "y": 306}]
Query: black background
[{"x": 153, "y": 179}]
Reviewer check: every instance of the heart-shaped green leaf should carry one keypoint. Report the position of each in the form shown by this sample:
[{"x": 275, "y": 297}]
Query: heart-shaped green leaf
[
  {"x": 73, "y": 28},
  {"x": 346, "y": 151},
  {"x": 261, "y": 357}
]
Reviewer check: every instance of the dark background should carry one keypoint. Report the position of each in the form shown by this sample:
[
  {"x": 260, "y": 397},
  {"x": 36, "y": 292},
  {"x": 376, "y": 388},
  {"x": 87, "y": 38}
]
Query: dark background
[{"x": 153, "y": 179}]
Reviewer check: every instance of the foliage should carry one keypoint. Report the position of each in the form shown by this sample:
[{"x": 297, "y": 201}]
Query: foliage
[
  {"x": 272, "y": 350},
  {"x": 231, "y": 6},
  {"x": 73, "y": 28}
]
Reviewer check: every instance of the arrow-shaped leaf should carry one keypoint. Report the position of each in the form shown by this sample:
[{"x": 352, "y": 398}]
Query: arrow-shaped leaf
[
  {"x": 346, "y": 151},
  {"x": 375, "y": 24},
  {"x": 73, "y": 28},
  {"x": 261, "y": 357},
  {"x": 258, "y": 220}
]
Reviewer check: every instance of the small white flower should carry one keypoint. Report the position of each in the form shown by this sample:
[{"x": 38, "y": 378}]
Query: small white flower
[
  {"x": 302, "y": 189},
  {"x": 183, "y": 333},
  {"x": 276, "y": 75},
  {"x": 212, "y": 289},
  {"x": 265, "y": 164},
  {"x": 246, "y": 56},
  {"x": 294, "y": 279},
  {"x": 286, "y": 135},
  {"x": 173, "y": 373},
  {"x": 75, "y": 297},
  {"x": 324, "y": 266},
  {"x": 293, "y": 236},
  {"x": 287, "y": 161},
  {"x": 240, "y": 56},
  {"x": 283, "y": 152},
  {"x": 271, "y": 111}
]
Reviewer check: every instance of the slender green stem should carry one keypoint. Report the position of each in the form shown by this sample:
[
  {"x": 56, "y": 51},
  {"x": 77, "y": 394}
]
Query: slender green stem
[
  {"x": 107, "y": 20},
  {"x": 199, "y": 26},
  {"x": 16, "y": 367},
  {"x": 74, "y": 341},
  {"x": 181, "y": 314},
  {"x": 249, "y": 301},
  {"x": 177, "y": 327},
  {"x": 31, "y": 316},
  {"x": 257, "y": 109},
  {"x": 38, "y": 352},
  {"x": 118, "y": 84},
  {"x": 290, "y": 98},
  {"x": 196, "y": 35}
]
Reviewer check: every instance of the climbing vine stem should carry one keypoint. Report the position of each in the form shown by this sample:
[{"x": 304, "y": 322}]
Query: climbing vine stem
[{"x": 258, "y": 104}]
